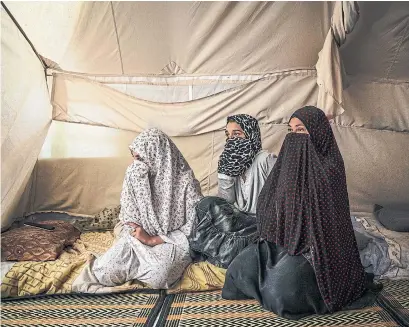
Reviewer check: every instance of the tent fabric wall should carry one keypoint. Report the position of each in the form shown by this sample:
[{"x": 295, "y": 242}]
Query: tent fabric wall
[
  {"x": 79, "y": 178},
  {"x": 379, "y": 45},
  {"x": 331, "y": 77},
  {"x": 80, "y": 100},
  {"x": 81, "y": 36},
  {"x": 119, "y": 67},
  {"x": 376, "y": 105},
  {"x": 25, "y": 116}
]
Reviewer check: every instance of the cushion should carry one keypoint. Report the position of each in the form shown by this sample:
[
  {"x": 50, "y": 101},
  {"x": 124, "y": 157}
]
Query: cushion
[
  {"x": 34, "y": 244},
  {"x": 396, "y": 220}
]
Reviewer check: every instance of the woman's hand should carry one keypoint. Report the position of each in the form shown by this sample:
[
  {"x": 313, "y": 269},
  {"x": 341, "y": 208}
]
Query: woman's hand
[{"x": 140, "y": 234}]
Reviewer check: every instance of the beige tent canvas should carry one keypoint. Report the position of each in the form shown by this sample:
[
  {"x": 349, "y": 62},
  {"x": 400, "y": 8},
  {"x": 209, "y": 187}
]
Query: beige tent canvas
[{"x": 81, "y": 79}]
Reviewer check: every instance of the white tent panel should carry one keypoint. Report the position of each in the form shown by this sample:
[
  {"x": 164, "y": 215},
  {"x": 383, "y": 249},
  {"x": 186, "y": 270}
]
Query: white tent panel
[
  {"x": 78, "y": 99},
  {"x": 25, "y": 115},
  {"x": 132, "y": 37}
]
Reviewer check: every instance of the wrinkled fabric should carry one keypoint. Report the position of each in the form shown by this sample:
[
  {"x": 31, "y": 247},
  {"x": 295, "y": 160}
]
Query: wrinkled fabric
[
  {"x": 331, "y": 74},
  {"x": 282, "y": 283},
  {"x": 239, "y": 153},
  {"x": 374, "y": 252},
  {"x": 227, "y": 224},
  {"x": 304, "y": 208},
  {"x": 160, "y": 189},
  {"x": 344, "y": 19},
  {"x": 160, "y": 266},
  {"x": 222, "y": 232},
  {"x": 243, "y": 191},
  {"x": 159, "y": 193}
]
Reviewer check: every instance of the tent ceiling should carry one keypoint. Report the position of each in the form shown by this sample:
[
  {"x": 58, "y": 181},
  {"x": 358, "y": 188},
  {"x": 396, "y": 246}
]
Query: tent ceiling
[{"x": 143, "y": 37}]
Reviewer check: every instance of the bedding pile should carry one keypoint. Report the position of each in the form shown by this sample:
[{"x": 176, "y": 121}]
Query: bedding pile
[
  {"x": 383, "y": 252},
  {"x": 28, "y": 278}
]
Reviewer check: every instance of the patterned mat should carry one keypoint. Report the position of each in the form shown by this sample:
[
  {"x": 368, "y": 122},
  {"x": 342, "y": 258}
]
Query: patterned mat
[
  {"x": 126, "y": 309},
  {"x": 209, "y": 309},
  {"x": 395, "y": 299}
]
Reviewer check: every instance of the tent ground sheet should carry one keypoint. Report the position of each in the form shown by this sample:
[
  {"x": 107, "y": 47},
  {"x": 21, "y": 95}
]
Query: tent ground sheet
[
  {"x": 126, "y": 309},
  {"x": 209, "y": 309}
]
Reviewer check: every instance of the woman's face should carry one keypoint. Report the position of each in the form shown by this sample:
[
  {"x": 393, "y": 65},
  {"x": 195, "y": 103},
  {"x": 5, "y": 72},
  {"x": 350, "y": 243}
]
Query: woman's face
[
  {"x": 297, "y": 126},
  {"x": 233, "y": 130}
]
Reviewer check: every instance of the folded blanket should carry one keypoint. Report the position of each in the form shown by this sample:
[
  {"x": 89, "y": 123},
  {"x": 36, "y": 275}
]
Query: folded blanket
[{"x": 29, "y": 278}]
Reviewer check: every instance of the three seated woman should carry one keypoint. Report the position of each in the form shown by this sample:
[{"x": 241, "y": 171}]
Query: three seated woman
[{"x": 281, "y": 225}]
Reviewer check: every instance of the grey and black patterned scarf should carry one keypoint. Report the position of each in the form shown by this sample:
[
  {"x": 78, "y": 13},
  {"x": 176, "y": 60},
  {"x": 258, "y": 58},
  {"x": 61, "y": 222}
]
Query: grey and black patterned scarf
[{"x": 239, "y": 153}]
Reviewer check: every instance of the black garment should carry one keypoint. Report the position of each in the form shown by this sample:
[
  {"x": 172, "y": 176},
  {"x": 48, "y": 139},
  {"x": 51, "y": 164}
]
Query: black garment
[
  {"x": 222, "y": 231},
  {"x": 283, "y": 284},
  {"x": 308, "y": 261},
  {"x": 304, "y": 208}
]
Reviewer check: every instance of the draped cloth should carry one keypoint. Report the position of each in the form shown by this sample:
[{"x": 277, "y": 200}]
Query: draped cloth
[
  {"x": 331, "y": 75},
  {"x": 159, "y": 193},
  {"x": 160, "y": 189},
  {"x": 304, "y": 208}
]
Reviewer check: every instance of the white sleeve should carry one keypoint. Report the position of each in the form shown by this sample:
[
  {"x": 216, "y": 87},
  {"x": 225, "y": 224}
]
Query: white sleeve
[{"x": 226, "y": 188}]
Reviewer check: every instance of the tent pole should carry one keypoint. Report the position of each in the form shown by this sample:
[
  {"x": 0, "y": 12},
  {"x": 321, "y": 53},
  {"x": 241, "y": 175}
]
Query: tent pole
[{"x": 25, "y": 36}]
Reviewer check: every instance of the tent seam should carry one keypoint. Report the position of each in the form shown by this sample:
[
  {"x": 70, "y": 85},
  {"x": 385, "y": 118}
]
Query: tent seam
[
  {"x": 340, "y": 125},
  {"x": 221, "y": 129},
  {"x": 398, "y": 50},
  {"x": 117, "y": 38},
  {"x": 210, "y": 165},
  {"x": 26, "y": 37},
  {"x": 148, "y": 75}
]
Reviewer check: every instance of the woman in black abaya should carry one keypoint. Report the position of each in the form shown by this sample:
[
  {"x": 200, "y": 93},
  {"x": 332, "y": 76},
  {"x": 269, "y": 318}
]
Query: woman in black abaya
[{"x": 307, "y": 259}]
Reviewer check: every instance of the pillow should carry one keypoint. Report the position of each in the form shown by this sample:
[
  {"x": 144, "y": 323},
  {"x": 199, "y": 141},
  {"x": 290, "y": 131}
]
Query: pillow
[
  {"x": 34, "y": 244},
  {"x": 393, "y": 219}
]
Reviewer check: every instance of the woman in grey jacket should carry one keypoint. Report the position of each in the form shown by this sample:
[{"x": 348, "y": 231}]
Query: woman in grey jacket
[{"x": 227, "y": 222}]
